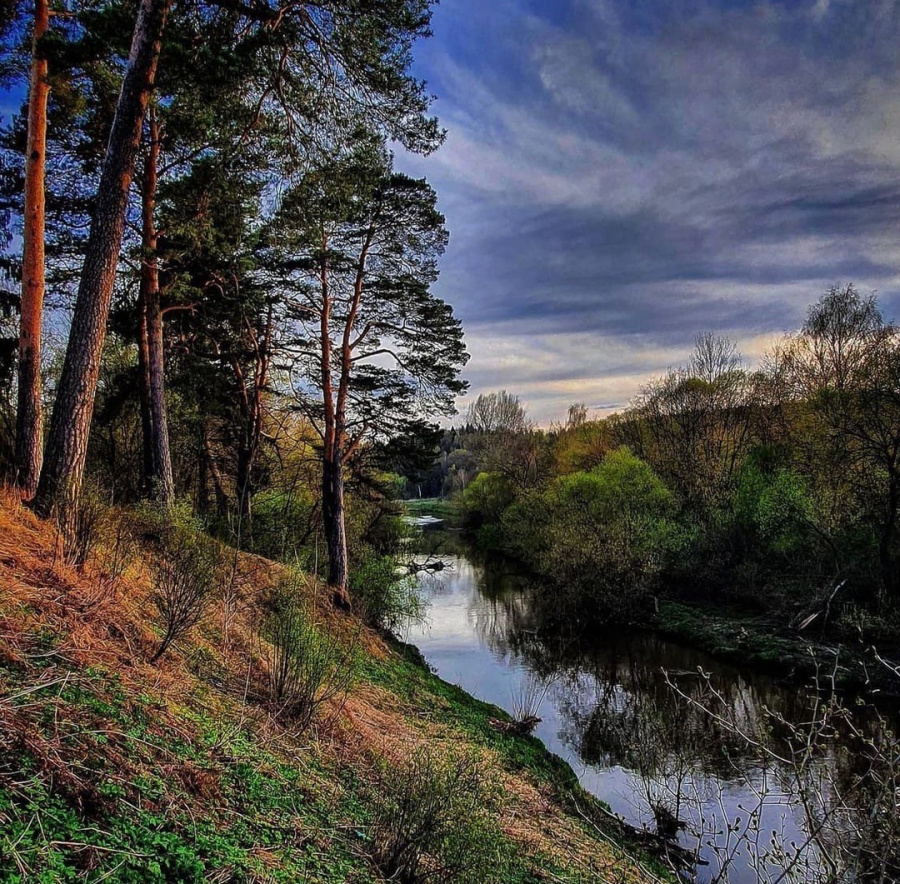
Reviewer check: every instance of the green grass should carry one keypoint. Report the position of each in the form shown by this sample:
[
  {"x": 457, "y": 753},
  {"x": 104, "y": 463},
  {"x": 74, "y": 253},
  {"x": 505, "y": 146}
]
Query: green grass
[
  {"x": 438, "y": 507},
  {"x": 193, "y": 795}
]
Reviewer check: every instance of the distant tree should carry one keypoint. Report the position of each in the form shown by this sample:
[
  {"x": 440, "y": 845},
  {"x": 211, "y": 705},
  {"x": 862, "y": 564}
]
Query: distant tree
[
  {"x": 576, "y": 416},
  {"x": 845, "y": 365},
  {"x": 354, "y": 248},
  {"x": 497, "y": 413},
  {"x": 694, "y": 422},
  {"x": 504, "y": 440}
]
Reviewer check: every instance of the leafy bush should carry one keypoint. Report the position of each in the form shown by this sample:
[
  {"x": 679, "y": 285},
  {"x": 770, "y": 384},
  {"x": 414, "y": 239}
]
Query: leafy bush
[
  {"x": 281, "y": 524},
  {"x": 486, "y": 497},
  {"x": 187, "y": 574},
  {"x": 776, "y": 506},
  {"x": 383, "y": 597},
  {"x": 435, "y": 820},
  {"x": 603, "y": 536},
  {"x": 308, "y": 665}
]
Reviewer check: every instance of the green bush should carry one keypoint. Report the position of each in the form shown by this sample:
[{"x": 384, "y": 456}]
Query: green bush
[
  {"x": 602, "y": 537},
  {"x": 776, "y": 506},
  {"x": 280, "y": 528},
  {"x": 436, "y": 820},
  {"x": 383, "y": 597},
  {"x": 486, "y": 497},
  {"x": 308, "y": 665}
]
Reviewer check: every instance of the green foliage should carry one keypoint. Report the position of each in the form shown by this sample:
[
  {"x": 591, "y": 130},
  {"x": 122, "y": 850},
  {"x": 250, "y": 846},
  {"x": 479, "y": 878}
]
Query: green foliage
[
  {"x": 435, "y": 820},
  {"x": 603, "y": 537},
  {"x": 621, "y": 487},
  {"x": 776, "y": 506},
  {"x": 308, "y": 665},
  {"x": 486, "y": 497},
  {"x": 384, "y": 597},
  {"x": 281, "y": 523}
]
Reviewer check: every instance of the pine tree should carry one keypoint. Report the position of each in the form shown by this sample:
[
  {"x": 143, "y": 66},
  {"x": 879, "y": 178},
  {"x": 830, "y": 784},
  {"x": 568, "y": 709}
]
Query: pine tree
[{"x": 356, "y": 246}]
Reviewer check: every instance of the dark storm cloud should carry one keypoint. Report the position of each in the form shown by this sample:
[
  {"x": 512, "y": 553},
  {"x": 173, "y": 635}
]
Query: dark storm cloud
[{"x": 620, "y": 176}]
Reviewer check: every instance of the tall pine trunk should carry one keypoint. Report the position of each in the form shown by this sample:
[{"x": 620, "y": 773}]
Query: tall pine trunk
[
  {"x": 143, "y": 339},
  {"x": 252, "y": 415},
  {"x": 332, "y": 455},
  {"x": 60, "y": 481},
  {"x": 29, "y": 417},
  {"x": 162, "y": 483},
  {"x": 334, "y": 525}
]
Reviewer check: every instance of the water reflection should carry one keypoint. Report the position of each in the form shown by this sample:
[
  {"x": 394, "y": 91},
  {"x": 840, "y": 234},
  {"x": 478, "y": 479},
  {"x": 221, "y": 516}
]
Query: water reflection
[{"x": 607, "y": 706}]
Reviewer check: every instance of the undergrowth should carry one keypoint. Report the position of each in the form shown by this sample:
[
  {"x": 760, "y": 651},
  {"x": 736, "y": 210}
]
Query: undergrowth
[{"x": 116, "y": 769}]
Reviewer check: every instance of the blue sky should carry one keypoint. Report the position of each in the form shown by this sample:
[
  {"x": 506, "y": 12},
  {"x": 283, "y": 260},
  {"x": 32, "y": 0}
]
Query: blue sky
[{"x": 620, "y": 176}]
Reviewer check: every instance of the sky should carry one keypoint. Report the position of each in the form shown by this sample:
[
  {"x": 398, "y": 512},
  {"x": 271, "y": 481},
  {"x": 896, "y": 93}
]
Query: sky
[{"x": 621, "y": 176}]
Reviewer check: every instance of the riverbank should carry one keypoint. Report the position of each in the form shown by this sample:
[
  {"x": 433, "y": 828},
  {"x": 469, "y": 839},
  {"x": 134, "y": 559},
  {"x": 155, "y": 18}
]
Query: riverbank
[
  {"x": 119, "y": 770},
  {"x": 761, "y": 644},
  {"x": 751, "y": 641}
]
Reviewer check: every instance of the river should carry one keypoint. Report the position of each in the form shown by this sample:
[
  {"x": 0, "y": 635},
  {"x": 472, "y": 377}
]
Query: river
[{"x": 607, "y": 707}]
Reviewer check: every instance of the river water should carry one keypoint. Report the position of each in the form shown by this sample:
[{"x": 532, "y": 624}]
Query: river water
[{"x": 607, "y": 706}]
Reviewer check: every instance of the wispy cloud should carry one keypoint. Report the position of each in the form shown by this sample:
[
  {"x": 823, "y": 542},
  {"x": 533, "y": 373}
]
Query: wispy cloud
[{"x": 620, "y": 176}]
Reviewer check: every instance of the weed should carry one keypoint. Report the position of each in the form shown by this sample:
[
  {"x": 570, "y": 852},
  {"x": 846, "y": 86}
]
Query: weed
[
  {"x": 308, "y": 665},
  {"x": 435, "y": 821},
  {"x": 187, "y": 574},
  {"x": 81, "y": 521}
]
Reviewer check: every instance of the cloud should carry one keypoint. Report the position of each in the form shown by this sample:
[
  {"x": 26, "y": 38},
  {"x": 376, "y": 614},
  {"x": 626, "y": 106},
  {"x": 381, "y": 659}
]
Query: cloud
[{"x": 619, "y": 177}]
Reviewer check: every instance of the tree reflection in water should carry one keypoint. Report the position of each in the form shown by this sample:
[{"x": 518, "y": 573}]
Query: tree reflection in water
[{"x": 743, "y": 773}]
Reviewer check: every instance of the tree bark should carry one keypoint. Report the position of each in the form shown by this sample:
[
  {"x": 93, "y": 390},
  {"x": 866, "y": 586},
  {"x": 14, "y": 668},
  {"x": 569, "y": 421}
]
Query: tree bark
[
  {"x": 29, "y": 416},
  {"x": 63, "y": 467},
  {"x": 211, "y": 468},
  {"x": 333, "y": 523},
  {"x": 162, "y": 482},
  {"x": 147, "y": 471},
  {"x": 332, "y": 457}
]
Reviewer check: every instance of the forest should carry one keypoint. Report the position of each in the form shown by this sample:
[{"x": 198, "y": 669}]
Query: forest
[
  {"x": 252, "y": 323},
  {"x": 228, "y": 393},
  {"x": 771, "y": 489}
]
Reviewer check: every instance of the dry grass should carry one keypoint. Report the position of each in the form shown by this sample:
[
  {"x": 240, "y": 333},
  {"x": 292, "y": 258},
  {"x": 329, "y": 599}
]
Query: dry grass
[{"x": 41, "y": 597}]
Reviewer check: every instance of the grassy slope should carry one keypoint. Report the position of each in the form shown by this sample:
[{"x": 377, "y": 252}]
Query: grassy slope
[{"x": 115, "y": 770}]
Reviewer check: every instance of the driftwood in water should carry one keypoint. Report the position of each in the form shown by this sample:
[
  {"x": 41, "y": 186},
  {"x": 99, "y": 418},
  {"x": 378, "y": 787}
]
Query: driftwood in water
[{"x": 429, "y": 566}]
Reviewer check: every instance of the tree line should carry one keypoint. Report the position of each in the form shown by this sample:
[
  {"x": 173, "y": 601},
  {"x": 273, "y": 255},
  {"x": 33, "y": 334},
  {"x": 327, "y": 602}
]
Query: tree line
[
  {"x": 773, "y": 488},
  {"x": 204, "y": 195}
]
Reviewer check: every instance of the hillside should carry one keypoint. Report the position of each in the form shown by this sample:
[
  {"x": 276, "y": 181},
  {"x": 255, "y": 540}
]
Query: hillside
[{"x": 113, "y": 769}]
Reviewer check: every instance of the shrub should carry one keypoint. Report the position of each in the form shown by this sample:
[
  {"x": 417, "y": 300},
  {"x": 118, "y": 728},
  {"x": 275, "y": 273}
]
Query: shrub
[
  {"x": 117, "y": 549},
  {"x": 776, "y": 506},
  {"x": 281, "y": 525},
  {"x": 187, "y": 575},
  {"x": 486, "y": 497},
  {"x": 308, "y": 665},
  {"x": 81, "y": 524},
  {"x": 435, "y": 820},
  {"x": 603, "y": 537},
  {"x": 383, "y": 597}
]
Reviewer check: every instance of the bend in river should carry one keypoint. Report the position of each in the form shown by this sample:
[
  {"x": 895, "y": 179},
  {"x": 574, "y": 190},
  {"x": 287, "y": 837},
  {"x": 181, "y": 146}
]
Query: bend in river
[{"x": 608, "y": 707}]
